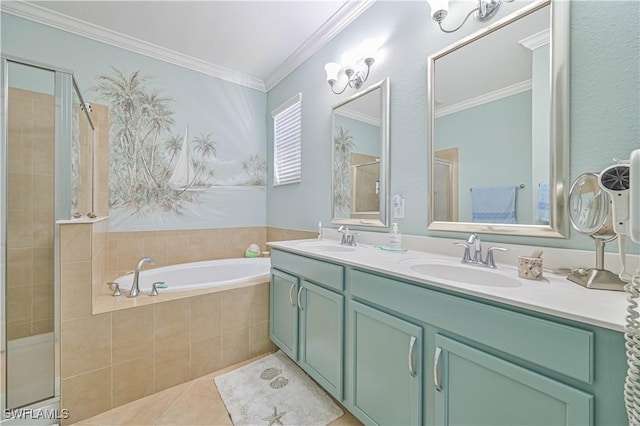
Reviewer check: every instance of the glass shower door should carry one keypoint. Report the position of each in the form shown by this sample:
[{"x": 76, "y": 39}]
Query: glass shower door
[{"x": 29, "y": 235}]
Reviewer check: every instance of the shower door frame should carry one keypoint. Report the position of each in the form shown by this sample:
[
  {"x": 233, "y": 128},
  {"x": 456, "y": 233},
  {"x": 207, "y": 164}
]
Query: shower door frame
[{"x": 63, "y": 97}]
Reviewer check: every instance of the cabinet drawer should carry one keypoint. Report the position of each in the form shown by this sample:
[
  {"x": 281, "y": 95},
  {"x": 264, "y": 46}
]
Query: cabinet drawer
[
  {"x": 327, "y": 274},
  {"x": 557, "y": 347}
]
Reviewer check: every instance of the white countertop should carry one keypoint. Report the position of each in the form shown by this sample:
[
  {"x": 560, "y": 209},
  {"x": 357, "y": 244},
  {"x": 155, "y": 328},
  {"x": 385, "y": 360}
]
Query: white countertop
[{"x": 554, "y": 295}]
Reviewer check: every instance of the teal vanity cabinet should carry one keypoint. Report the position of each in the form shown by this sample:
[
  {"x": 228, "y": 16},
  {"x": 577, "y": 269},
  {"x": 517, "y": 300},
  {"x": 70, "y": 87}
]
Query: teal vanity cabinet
[
  {"x": 474, "y": 387},
  {"x": 307, "y": 316},
  {"x": 492, "y": 364},
  {"x": 386, "y": 367},
  {"x": 283, "y": 324},
  {"x": 397, "y": 351}
]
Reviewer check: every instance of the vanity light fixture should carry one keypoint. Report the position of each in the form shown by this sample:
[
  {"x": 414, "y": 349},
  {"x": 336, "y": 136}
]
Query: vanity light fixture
[
  {"x": 485, "y": 9},
  {"x": 355, "y": 64}
]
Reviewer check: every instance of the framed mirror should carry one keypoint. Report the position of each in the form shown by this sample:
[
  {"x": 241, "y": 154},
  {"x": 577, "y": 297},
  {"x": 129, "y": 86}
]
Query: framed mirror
[
  {"x": 499, "y": 127},
  {"x": 360, "y": 140}
]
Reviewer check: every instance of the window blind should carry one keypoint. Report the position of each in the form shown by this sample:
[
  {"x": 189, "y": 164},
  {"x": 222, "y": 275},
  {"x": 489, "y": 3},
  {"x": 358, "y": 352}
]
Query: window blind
[{"x": 287, "y": 142}]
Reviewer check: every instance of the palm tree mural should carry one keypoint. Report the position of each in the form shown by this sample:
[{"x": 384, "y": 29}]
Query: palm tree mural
[
  {"x": 256, "y": 168},
  {"x": 141, "y": 165},
  {"x": 342, "y": 146}
]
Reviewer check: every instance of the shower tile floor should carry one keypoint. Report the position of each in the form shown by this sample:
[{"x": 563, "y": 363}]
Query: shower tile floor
[{"x": 197, "y": 402}]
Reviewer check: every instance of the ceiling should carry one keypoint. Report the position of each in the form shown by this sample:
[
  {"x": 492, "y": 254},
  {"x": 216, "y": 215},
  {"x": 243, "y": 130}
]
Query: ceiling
[{"x": 255, "y": 43}]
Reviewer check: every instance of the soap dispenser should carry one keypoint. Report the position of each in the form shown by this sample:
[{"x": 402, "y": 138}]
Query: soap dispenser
[{"x": 395, "y": 237}]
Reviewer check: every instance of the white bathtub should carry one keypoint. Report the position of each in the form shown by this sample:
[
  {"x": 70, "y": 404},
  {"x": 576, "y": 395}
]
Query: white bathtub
[{"x": 199, "y": 275}]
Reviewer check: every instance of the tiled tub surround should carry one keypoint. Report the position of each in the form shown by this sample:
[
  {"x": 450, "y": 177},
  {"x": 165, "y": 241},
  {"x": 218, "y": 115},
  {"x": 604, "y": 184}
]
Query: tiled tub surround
[{"x": 113, "y": 353}]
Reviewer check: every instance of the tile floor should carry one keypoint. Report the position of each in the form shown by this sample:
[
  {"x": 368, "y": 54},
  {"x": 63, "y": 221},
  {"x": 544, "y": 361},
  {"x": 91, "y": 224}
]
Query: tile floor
[{"x": 192, "y": 403}]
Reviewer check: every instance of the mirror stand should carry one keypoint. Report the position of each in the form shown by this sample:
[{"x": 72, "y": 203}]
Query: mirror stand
[{"x": 598, "y": 277}]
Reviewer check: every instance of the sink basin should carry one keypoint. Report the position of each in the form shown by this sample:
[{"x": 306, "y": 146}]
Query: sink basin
[
  {"x": 327, "y": 247},
  {"x": 465, "y": 274}
]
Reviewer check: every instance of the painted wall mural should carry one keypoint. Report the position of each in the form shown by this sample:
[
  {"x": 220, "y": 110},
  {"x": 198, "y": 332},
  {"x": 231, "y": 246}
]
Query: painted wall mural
[{"x": 162, "y": 176}]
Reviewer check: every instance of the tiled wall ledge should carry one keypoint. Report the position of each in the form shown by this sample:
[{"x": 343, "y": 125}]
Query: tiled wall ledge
[{"x": 108, "y": 303}]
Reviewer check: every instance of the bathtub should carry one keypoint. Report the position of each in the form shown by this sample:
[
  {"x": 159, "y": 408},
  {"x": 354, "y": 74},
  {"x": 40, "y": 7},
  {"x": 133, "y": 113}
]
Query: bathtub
[{"x": 200, "y": 275}]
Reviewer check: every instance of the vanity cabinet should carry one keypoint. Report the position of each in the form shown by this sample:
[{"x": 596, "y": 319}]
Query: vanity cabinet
[
  {"x": 386, "y": 367},
  {"x": 407, "y": 352},
  {"x": 474, "y": 387},
  {"x": 283, "y": 312},
  {"x": 307, "y": 316}
]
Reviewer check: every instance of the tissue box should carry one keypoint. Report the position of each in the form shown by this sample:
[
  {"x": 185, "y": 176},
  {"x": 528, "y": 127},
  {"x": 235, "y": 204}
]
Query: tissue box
[{"x": 530, "y": 267}]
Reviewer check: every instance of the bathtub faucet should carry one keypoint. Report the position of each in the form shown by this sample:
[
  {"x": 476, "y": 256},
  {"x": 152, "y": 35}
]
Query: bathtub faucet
[{"x": 135, "y": 288}]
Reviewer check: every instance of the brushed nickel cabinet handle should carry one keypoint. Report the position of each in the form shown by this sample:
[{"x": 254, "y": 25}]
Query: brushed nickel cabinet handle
[
  {"x": 299, "y": 301},
  {"x": 436, "y": 369},
  {"x": 291, "y": 294},
  {"x": 412, "y": 344}
]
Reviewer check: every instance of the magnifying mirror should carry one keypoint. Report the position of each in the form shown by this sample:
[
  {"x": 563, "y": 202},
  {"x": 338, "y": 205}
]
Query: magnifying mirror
[{"x": 590, "y": 214}]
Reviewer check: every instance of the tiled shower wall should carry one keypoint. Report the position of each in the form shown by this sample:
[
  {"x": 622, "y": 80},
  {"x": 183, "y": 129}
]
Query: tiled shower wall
[{"x": 30, "y": 217}]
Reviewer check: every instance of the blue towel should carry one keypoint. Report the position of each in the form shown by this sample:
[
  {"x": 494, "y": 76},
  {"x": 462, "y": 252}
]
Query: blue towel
[
  {"x": 494, "y": 204},
  {"x": 542, "y": 206}
]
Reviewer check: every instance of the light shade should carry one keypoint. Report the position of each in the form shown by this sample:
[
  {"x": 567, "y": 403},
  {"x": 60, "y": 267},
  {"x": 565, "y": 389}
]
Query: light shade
[
  {"x": 332, "y": 69},
  {"x": 439, "y": 9}
]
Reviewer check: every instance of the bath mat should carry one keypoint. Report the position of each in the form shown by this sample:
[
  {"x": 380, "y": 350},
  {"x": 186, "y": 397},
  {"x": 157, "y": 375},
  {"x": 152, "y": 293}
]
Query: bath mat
[{"x": 275, "y": 391}]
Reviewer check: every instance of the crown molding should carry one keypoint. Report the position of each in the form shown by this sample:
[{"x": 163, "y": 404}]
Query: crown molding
[
  {"x": 32, "y": 12},
  {"x": 358, "y": 116},
  {"x": 486, "y": 98},
  {"x": 536, "y": 40},
  {"x": 343, "y": 17}
]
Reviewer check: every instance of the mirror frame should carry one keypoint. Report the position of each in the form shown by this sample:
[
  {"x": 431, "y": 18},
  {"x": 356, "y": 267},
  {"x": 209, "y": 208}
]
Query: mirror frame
[
  {"x": 559, "y": 127},
  {"x": 383, "y": 219}
]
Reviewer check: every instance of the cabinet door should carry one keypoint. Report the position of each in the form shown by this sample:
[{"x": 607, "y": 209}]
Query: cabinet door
[
  {"x": 283, "y": 324},
  {"x": 386, "y": 366},
  {"x": 473, "y": 387},
  {"x": 321, "y": 336}
]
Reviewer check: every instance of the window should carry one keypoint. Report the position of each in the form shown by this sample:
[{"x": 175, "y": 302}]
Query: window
[{"x": 287, "y": 142}]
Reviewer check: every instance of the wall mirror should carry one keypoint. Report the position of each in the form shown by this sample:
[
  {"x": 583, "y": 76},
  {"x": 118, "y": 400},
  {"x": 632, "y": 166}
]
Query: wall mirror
[
  {"x": 499, "y": 127},
  {"x": 360, "y": 139}
]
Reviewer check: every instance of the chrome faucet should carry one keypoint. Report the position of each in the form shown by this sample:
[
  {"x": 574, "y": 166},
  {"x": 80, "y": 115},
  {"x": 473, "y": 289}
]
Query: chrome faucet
[
  {"x": 135, "y": 288},
  {"x": 348, "y": 239},
  {"x": 474, "y": 241}
]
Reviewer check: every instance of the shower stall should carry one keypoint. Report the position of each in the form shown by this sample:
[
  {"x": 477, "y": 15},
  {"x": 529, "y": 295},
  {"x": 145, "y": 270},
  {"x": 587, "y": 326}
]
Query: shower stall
[{"x": 45, "y": 152}]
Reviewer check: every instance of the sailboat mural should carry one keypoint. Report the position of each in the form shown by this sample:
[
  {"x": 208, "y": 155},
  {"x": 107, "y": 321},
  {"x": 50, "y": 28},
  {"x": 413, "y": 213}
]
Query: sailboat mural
[
  {"x": 162, "y": 180},
  {"x": 184, "y": 174}
]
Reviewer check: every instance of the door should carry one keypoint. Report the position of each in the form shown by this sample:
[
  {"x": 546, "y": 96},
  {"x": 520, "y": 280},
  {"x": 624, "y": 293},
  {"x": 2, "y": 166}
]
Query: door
[
  {"x": 387, "y": 367},
  {"x": 283, "y": 324},
  {"x": 476, "y": 388},
  {"x": 321, "y": 336}
]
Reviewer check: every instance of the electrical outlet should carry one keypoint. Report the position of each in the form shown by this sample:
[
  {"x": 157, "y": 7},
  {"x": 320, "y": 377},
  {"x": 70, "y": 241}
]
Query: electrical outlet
[{"x": 398, "y": 208}]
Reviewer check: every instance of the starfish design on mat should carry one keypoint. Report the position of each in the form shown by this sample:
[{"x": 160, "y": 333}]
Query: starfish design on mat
[{"x": 275, "y": 418}]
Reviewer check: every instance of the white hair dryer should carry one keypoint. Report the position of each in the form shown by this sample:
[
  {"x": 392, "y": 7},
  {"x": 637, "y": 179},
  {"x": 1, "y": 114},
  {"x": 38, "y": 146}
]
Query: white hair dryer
[{"x": 615, "y": 181}]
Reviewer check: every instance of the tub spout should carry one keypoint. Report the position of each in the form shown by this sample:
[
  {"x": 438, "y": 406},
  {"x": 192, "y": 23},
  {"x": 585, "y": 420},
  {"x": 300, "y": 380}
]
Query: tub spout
[{"x": 135, "y": 288}]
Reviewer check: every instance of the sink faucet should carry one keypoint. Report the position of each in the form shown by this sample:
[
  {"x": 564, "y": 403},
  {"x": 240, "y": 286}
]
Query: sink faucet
[
  {"x": 135, "y": 288},
  {"x": 474, "y": 241},
  {"x": 348, "y": 239}
]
